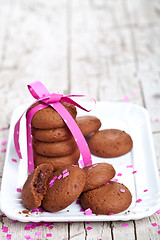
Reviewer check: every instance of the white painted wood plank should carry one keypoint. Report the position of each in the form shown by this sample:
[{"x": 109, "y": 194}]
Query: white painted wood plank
[
  {"x": 100, "y": 230},
  {"x": 77, "y": 231},
  {"x": 120, "y": 232}
]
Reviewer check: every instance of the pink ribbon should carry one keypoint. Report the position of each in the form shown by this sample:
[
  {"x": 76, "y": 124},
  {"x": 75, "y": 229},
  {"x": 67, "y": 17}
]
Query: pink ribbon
[{"x": 40, "y": 93}]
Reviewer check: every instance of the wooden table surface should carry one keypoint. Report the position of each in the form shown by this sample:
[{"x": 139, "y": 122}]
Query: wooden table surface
[{"x": 107, "y": 49}]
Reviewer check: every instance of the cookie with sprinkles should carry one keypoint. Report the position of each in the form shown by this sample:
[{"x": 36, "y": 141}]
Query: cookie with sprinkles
[
  {"x": 88, "y": 124},
  {"x": 111, "y": 198},
  {"x": 64, "y": 188},
  {"x": 57, "y": 162},
  {"x": 98, "y": 174},
  {"x": 109, "y": 143},
  {"x": 48, "y": 118},
  {"x": 35, "y": 186}
]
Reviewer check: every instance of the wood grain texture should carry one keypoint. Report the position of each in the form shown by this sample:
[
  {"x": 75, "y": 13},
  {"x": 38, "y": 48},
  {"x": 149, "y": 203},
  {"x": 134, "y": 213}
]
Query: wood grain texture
[{"x": 105, "y": 49}]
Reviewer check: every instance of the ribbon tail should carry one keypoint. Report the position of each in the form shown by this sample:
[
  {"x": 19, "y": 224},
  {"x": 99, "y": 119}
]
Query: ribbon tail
[
  {"x": 16, "y": 137},
  {"x": 76, "y": 132}
]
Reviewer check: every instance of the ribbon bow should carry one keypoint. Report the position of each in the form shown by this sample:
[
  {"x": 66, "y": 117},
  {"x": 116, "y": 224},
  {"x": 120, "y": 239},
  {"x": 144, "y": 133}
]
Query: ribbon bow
[{"x": 40, "y": 93}]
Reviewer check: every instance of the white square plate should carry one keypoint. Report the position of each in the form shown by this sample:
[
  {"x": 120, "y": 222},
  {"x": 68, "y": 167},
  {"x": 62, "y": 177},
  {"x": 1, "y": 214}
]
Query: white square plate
[{"x": 132, "y": 119}]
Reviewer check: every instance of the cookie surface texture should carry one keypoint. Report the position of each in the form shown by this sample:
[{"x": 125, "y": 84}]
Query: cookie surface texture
[
  {"x": 110, "y": 143},
  {"x": 67, "y": 186},
  {"x": 107, "y": 199},
  {"x": 48, "y": 118},
  {"x": 55, "y": 149},
  {"x": 88, "y": 124},
  {"x": 35, "y": 186},
  {"x": 52, "y": 135},
  {"x": 97, "y": 175},
  {"x": 58, "y": 162}
]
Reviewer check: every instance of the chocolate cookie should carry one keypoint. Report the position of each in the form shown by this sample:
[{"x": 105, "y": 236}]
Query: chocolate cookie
[
  {"x": 64, "y": 188},
  {"x": 48, "y": 118},
  {"x": 107, "y": 199},
  {"x": 52, "y": 135},
  {"x": 88, "y": 124},
  {"x": 35, "y": 186},
  {"x": 57, "y": 149},
  {"x": 58, "y": 162},
  {"x": 98, "y": 174},
  {"x": 110, "y": 143}
]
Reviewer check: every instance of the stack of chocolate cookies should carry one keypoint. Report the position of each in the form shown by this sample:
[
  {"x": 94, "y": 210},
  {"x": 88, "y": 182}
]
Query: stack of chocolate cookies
[{"x": 52, "y": 141}]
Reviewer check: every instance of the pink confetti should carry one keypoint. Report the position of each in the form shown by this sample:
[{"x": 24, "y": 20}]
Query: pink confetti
[
  {"x": 5, "y": 229},
  {"x": 88, "y": 212},
  {"x": 18, "y": 189},
  {"x": 14, "y": 160},
  {"x": 158, "y": 211},
  {"x": 129, "y": 166},
  {"x": 90, "y": 168},
  {"x": 124, "y": 225},
  {"x": 156, "y": 120},
  {"x": 133, "y": 93},
  {"x": 146, "y": 190},
  {"x": 3, "y": 150},
  {"x": 65, "y": 171},
  {"x": 154, "y": 224},
  {"x": 8, "y": 236},
  {"x": 4, "y": 142},
  {"x": 89, "y": 228},
  {"x": 49, "y": 235},
  {"x": 114, "y": 180},
  {"x": 139, "y": 200},
  {"x": 158, "y": 232},
  {"x": 126, "y": 99},
  {"x": 110, "y": 213},
  {"x": 50, "y": 227},
  {"x": 134, "y": 172},
  {"x": 87, "y": 222},
  {"x": 38, "y": 233},
  {"x": 28, "y": 236},
  {"x": 52, "y": 181},
  {"x": 4, "y": 128},
  {"x": 106, "y": 183},
  {"x": 59, "y": 176},
  {"x": 14, "y": 221},
  {"x": 119, "y": 174},
  {"x": 66, "y": 174},
  {"x": 95, "y": 165},
  {"x": 122, "y": 190}
]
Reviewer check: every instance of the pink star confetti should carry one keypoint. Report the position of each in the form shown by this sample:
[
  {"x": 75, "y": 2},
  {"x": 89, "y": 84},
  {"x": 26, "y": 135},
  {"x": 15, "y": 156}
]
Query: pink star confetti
[
  {"x": 154, "y": 224},
  {"x": 66, "y": 174},
  {"x": 158, "y": 211},
  {"x": 18, "y": 189},
  {"x": 3, "y": 150},
  {"x": 122, "y": 190},
  {"x": 88, "y": 212},
  {"x": 49, "y": 235},
  {"x": 38, "y": 233},
  {"x": 129, "y": 166},
  {"x": 146, "y": 190},
  {"x": 126, "y": 99},
  {"x": 119, "y": 174},
  {"x": 158, "y": 232},
  {"x": 89, "y": 228},
  {"x": 8, "y": 236},
  {"x": 139, "y": 200},
  {"x": 5, "y": 229},
  {"x": 4, "y": 143},
  {"x": 124, "y": 225},
  {"x": 14, "y": 160}
]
